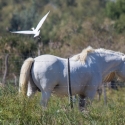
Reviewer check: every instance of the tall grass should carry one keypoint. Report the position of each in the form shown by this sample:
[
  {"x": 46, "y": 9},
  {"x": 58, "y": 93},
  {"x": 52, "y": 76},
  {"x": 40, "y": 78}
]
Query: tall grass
[{"x": 15, "y": 110}]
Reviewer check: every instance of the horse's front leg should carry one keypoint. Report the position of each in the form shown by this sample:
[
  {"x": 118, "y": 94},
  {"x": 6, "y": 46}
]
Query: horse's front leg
[
  {"x": 81, "y": 102},
  {"x": 87, "y": 97},
  {"x": 99, "y": 92},
  {"x": 44, "y": 98},
  {"x": 84, "y": 101}
]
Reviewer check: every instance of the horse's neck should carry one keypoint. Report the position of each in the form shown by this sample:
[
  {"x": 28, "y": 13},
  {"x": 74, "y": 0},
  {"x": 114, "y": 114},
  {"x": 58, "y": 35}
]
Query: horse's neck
[{"x": 109, "y": 62}]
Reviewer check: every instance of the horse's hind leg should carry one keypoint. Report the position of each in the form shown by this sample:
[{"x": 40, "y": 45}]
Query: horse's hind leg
[
  {"x": 32, "y": 88},
  {"x": 45, "y": 97}
]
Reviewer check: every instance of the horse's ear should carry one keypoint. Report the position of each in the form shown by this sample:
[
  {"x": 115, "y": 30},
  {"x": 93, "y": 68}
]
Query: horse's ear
[{"x": 123, "y": 58}]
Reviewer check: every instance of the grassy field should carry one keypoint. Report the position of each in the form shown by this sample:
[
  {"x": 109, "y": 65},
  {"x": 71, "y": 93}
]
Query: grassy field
[{"x": 23, "y": 111}]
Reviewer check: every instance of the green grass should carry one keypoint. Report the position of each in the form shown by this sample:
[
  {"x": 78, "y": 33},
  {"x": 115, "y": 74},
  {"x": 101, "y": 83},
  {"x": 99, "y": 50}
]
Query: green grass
[{"x": 24, "y": 111}]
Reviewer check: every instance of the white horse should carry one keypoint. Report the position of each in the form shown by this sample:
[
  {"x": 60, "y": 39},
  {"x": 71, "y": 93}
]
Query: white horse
[{"x": 49, "y": 74}]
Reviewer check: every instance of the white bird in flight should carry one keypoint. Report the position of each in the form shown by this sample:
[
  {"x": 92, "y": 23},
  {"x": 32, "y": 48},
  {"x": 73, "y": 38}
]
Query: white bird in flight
[{"x": 36, "y": 31}]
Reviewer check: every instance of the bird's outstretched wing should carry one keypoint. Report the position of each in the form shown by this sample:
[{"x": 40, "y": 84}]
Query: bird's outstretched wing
[
  {"x": 41, "y": 22},
  {"x": 23, "y": 32}
]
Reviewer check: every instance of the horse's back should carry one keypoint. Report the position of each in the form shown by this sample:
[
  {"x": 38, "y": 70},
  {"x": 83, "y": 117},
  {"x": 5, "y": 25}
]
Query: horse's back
[{"x": 47, "y": 62}]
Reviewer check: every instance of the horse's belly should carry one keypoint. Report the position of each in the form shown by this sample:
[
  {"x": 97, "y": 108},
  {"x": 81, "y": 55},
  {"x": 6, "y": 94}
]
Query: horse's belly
[
  {"x": 63, "y": 90},
  {"x": 60, "y": 91}
]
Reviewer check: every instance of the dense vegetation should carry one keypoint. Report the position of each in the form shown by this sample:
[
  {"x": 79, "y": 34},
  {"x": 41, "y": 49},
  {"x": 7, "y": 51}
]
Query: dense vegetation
[
  {"x": 22, "y": 111},
  {"x": 71, "y": 26},
  {"x": 116, "y": 11}
]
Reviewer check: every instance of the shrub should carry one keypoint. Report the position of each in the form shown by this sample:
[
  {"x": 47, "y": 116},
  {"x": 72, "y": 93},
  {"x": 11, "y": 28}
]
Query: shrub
[{"x": 116, "y": 11}]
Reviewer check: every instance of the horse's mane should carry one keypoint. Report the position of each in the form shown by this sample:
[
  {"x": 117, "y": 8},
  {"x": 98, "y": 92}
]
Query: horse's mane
[
  {"x": 109, "y": 51},
  {"x": 82, "y": 56}
]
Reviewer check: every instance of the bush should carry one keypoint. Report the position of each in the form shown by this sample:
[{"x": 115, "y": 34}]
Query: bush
[
  {"x": 120, "y": 24},
  {"x": 116, "y": 11}
]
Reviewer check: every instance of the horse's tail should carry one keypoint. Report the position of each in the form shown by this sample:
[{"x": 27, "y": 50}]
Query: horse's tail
[{"x": 25, "y": 75}]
